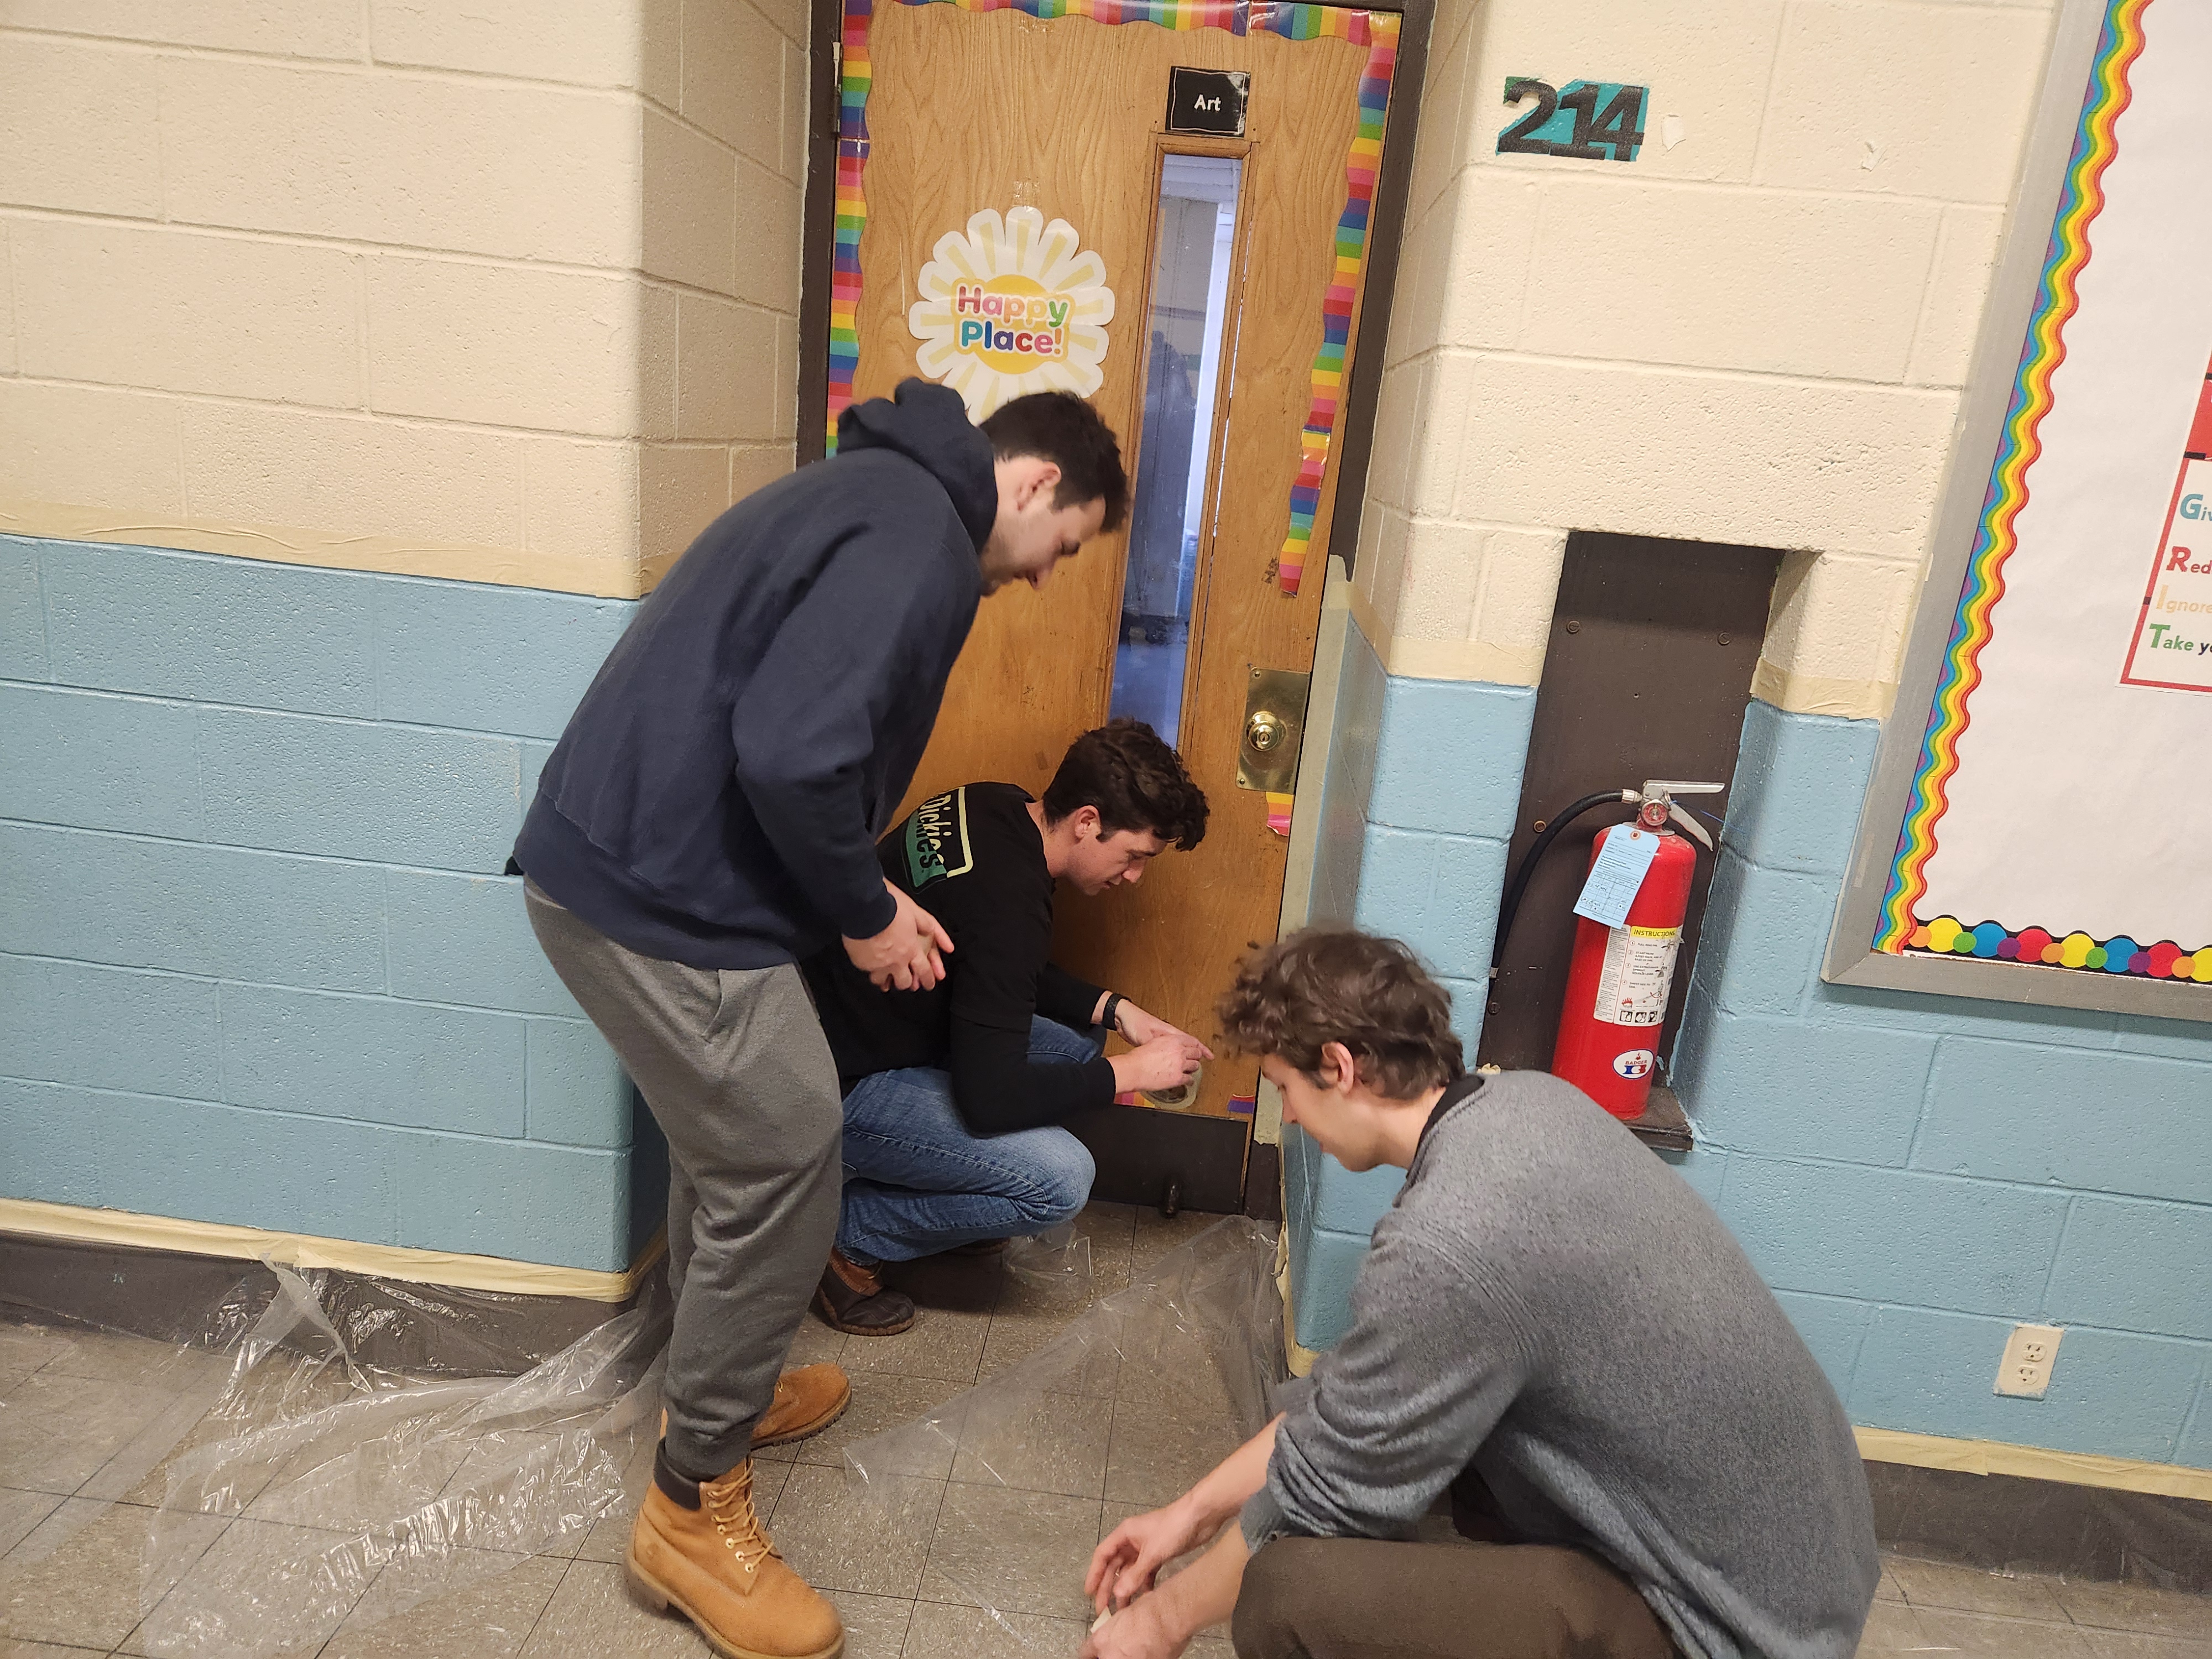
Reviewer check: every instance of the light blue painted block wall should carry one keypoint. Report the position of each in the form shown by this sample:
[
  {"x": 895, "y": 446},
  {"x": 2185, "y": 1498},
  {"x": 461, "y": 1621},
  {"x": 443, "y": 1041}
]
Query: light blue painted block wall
[
  {"x": 257, "y": 965},
  {"x": 1935, "y": 1170},
  {"x": 1913, "y": 1174},
  {"x": 1417, "y": 808}
]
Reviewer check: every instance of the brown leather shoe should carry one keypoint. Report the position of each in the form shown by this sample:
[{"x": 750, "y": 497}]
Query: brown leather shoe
[
  {"x": 807, "y": 1401},
  {"x": 852, "y": 1298},
  {"x": 711, "y": 1559}
]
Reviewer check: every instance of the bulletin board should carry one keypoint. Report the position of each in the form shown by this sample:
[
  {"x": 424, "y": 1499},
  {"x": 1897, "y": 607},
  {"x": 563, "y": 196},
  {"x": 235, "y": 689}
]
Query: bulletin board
[{"x": 2035, "y": 831}]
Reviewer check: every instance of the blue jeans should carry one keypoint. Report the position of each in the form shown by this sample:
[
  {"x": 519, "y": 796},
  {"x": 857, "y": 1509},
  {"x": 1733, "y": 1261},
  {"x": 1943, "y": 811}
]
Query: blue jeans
[{"x": 918, "y": 1181}]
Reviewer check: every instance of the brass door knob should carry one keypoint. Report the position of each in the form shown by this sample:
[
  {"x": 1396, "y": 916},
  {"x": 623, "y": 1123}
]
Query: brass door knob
[{"x": 1265, "y": 731}]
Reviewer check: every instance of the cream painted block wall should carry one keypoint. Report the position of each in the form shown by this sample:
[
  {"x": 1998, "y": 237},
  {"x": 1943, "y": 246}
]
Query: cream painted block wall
[
  {"x": 505, "y": 291},
  {"x": 1755, "y": 332}
]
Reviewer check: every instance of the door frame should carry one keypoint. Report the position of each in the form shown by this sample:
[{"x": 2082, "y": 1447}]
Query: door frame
[{"x": 1385, "y": 232}]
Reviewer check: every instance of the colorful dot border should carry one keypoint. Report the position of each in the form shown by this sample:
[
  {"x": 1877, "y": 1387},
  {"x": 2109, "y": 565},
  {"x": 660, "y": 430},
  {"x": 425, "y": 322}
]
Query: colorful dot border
[
  {"x": 1947, "y": 936},
  {"x": 1292, "y": 19},
  {"x": 2020, "y": 445}
]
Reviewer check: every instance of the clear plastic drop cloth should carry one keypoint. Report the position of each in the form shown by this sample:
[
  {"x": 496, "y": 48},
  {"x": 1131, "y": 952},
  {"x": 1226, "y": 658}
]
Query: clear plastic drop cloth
[
  {"x": 284, "y": 1478},
  {"x": 283, "y": 1485},
  {"x": 1117, "y": 1410}
]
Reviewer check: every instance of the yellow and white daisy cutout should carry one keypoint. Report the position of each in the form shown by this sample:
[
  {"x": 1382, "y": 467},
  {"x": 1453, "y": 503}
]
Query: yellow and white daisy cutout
[{"x": 1011, "y": 307}]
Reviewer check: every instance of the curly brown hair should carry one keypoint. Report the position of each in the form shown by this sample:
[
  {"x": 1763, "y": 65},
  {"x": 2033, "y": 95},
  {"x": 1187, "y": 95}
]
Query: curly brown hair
[
  {"x": 1135, "y": 780},
  {"x": 1335, "y": 985}
]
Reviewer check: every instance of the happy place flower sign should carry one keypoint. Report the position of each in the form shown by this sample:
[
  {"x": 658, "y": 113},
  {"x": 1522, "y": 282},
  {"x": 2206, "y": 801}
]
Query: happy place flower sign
[{"x": 1012, "y": 306}]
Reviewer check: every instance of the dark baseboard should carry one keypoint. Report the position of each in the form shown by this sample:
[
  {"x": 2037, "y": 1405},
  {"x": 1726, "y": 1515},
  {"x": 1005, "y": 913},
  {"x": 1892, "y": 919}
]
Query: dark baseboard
[
  {"x": 1143, "y": 1155},
  {"x": 1263, "y": 1182},
  {"x": 207, "y": 1301},
  {"x": 2007, "y": 1523}
]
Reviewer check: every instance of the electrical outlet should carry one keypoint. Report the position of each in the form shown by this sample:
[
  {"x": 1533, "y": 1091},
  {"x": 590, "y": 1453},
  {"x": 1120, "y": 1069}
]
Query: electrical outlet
[{"x": 2024, "y": 1370}]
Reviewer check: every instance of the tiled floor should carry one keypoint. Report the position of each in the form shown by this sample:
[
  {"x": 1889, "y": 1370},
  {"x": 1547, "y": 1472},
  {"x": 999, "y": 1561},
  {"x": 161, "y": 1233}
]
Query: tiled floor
[{"x": 974, "y": 1556}]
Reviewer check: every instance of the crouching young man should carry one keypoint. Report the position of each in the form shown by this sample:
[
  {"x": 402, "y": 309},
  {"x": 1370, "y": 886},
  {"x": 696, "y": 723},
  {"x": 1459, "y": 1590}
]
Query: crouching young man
[
  {"x": 953, "y": 1094},
  {"x": 1551, "y": 1325}
]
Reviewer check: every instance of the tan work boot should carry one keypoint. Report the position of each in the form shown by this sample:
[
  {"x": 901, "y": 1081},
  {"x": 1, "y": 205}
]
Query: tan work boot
[
  {"x": 807, "y": 1401},
  {"x": 700, "y": 1545}
]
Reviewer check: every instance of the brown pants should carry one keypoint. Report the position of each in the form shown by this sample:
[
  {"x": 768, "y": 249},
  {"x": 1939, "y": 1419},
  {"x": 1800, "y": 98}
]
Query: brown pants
[{"x": 1362, "y": 1598}]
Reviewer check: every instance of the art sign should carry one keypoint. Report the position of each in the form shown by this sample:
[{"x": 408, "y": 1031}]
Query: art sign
[{"x": 1010, "y": 306}]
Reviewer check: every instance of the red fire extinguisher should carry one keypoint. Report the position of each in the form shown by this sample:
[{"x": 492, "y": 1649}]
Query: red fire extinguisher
[{"x": 1619, "y": 977}]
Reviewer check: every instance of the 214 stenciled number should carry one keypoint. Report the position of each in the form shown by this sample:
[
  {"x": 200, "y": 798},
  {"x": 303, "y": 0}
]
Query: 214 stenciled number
[{"x": 1610, "y": 135}]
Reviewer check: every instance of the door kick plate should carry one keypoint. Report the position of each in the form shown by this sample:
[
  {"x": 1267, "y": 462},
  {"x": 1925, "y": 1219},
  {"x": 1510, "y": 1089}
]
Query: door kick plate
[{"x": 1275, "y": 729}]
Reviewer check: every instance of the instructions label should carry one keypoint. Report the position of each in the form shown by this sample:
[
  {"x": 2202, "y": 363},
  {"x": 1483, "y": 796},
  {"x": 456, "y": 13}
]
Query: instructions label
[
  {"x": 1639, "y": 967},
  {"x": 2172, "y": 643},
  {"x": 1614, "y": 878}
]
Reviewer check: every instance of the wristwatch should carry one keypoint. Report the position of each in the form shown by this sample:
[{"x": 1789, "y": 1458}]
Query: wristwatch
[{"x": 1111, "y": 1012}]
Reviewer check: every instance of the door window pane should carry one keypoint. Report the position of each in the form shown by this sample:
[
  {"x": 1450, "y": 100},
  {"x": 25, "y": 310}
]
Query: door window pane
[{"x": 1190, "y": 295}]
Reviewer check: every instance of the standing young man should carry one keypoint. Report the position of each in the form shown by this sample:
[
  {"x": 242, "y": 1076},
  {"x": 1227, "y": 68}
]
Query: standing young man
[
  {"x": 1551, "y": 1325},
  {"x": 953, "y": 1096},
  {"x": 708, "y": 818}
]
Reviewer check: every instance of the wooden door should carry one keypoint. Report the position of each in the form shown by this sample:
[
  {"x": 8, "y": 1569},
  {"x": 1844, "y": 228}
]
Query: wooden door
[{"x": 955, "y": 107}]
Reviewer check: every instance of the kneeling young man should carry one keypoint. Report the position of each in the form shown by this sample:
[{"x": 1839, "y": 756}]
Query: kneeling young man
[
  {"x": 1551, "y": 1325},
  {"x": 952, "y": 1095}
]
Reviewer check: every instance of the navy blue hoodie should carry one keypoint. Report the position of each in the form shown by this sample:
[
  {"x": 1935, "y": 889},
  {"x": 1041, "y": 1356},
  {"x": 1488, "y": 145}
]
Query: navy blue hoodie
[{"x": 716, "y": 798}]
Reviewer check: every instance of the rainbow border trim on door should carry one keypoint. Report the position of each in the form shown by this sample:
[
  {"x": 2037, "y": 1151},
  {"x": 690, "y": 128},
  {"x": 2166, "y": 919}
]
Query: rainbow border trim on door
[
  {"x": 852, "y": 214},
  {"x": 1292, "y": 19},
  {"x": 1378, "y": 32},
  {"x": 2018, "y": 449}
]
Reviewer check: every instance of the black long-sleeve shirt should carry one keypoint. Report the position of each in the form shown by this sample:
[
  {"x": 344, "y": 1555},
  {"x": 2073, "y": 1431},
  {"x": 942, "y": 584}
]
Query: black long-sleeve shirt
[{"x": 974, "y": 859}]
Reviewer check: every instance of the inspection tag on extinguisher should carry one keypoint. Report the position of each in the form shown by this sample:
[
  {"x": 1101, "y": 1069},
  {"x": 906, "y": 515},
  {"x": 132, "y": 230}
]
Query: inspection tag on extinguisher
[
  {"x": 1621, "y": 865},
  {"x": 1639, "y": 967}
]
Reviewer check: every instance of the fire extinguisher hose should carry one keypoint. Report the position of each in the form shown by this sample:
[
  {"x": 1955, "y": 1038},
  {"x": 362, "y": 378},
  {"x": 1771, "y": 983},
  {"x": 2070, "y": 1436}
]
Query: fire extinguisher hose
[{"x": 1530, "y": 859}]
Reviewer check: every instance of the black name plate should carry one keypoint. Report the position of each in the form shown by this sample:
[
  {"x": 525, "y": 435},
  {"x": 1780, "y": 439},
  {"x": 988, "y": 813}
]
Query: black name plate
[{"x": 1208, "y": 101}]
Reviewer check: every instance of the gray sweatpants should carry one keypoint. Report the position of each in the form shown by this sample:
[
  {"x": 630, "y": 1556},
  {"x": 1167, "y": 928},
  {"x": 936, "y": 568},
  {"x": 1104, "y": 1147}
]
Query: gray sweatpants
[{"x": 734, "y": 1066}]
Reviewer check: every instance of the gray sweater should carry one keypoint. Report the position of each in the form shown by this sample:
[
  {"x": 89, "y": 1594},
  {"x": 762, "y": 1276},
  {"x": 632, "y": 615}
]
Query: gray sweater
[{"x": 1550, "y": 1305}]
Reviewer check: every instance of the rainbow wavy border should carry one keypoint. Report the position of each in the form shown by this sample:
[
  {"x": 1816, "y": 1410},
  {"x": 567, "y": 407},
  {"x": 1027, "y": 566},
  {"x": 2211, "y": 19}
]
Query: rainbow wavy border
[
  {"x": 2020, "y": 444},
  {"x": 1947, "y": 936},
  {"x": 1378, "y": 32},
  {"x": 852, "y": 213},
  {"x": 1292, "y": 19}
]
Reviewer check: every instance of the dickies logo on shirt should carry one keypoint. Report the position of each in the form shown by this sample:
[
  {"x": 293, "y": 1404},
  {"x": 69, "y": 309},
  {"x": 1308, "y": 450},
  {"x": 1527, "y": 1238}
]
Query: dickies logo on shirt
[{"x": 936, "y": 839}]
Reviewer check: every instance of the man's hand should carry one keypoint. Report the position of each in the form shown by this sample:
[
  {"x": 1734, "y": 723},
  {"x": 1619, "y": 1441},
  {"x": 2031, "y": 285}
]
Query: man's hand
[
  {"x": 1166, "y": 1062},
  {"x": 1138, "y": 1632},
  {"x": 1140, "y": 1028},
  {"x": 1123, "y": 1566},
  {"x": 907, "y": 956}
]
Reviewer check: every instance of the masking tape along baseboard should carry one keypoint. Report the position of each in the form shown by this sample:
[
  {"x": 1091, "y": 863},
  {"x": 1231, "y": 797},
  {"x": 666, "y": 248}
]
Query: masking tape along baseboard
[
  {"x": 1935, "y": 1452},
  {"x": 34, "y": 1218}
]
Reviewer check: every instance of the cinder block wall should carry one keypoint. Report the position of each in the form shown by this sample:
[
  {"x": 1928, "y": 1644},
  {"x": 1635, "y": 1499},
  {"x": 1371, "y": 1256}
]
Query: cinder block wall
[
  {"x": 1919, "y": 1174},
  {"x": 1755, "y": 335},
  {"x": 349, "y": 292},
  {"x": 1755, "y": 332},
  {"x": 492, "y": 291},
  {"x": 257, "y": 963}
]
